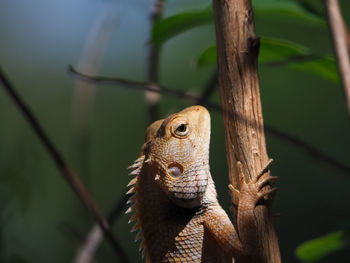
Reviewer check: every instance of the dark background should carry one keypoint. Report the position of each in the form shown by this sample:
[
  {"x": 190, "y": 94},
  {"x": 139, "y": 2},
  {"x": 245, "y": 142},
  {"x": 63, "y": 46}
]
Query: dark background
[{"x": 41, "y": 219}]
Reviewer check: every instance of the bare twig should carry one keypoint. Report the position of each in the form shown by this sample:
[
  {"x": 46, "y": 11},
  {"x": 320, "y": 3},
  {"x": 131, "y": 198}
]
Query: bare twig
[
  {"x": 347, "y": 37},
  {"x": 94, "y": 238},
  {"x": 87, "y": 251},
  {"x": 66, "y": 172},
  {"x": 152, "y": 98},
  {"x": 348, "y": 41},
  {"x": 141, "y": 85},
  {"x": 339, "y": 35},
  {"x": 314, "y": 152},
  {"x": 308, "y": 148}
]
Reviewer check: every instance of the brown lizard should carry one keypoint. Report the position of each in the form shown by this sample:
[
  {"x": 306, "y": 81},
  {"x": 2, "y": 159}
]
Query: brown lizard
[{"x": 174, "y": 198}]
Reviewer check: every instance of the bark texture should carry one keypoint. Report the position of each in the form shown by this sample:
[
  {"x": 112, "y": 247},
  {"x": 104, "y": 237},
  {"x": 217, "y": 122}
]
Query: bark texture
[
  {"x": 237, "y": 51},
  {"x": 340, "y": 41}
]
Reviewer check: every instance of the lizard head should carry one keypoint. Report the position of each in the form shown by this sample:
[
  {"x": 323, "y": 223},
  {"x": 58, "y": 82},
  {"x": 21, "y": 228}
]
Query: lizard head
[{"x": 178, "y": 146}]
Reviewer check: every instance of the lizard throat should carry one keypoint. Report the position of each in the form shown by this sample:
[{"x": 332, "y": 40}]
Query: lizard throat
[
  {"x": 189, "y": 188},
  {"x": 188, "y": 203}
]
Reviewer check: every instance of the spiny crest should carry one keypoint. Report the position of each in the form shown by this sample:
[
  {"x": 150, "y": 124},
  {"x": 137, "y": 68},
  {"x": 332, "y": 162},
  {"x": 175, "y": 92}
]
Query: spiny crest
[
  {"x": 137, "y": 166},
  {"x": 138, "y": 162}
]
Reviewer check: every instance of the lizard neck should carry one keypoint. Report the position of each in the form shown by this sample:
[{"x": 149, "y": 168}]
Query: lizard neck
[{"x": 158, "y": 216}]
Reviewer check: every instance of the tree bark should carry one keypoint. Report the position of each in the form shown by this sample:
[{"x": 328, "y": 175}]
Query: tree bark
[
  {"x": 340, "y": 43},
  {"x": 237, "y": 52}
]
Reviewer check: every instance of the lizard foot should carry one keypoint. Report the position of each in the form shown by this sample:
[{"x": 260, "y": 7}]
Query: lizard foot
[{"x": 254, "y": 190}]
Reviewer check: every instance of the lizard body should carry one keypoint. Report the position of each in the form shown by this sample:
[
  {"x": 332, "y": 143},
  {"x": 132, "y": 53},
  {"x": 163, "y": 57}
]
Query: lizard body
[{"x": 174, "y": 198}]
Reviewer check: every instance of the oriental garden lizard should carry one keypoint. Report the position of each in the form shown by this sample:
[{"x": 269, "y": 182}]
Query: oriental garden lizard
[{"x": 174, "y": 201}]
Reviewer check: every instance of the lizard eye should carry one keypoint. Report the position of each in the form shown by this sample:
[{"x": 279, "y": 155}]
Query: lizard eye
[{"x": 181, "y": 129}]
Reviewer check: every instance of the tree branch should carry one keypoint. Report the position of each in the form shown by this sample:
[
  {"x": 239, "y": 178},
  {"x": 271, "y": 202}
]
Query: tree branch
[
  {"x": 65, "y": 171},
  {"x": 237, "y": 52},
  {"x": 95, "y": 236},
  {"x": 140, "y": 85},
  {"x": 314, "y": 152},
  {"x": 339, "y": 35},
  {"x": 152, "y": 98}
]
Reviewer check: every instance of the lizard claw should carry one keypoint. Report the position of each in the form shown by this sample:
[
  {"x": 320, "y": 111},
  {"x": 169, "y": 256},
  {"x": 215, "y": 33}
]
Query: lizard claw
[
  {"x": 233, "y": 189},
  {"x": 264, "y": 169},
  {"x": 236, "y": 194},
  {"x": 257, "y": 188},
  {"x": 267, "y": 193},
  {"x": 240, "y": 172},
  {"x": 267, "y": 180}
]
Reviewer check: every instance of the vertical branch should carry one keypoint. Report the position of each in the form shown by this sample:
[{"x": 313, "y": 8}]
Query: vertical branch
[
  {"x": 237, "y": 51},
  {"x": 340, "y": 41},
  {"x": 347, "y": 36},
  {"x": 152, "y": 98}
]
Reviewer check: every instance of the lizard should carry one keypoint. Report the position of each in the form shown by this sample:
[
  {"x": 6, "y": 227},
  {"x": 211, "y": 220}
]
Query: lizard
[{"x": 174, "y": 201}]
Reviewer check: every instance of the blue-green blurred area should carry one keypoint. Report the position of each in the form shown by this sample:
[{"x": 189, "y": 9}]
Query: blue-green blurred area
[{"x": 41, "y": 219}]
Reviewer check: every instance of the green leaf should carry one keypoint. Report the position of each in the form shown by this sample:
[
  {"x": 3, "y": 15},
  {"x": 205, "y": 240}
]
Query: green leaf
[
  {"x": 286, "y": 10},
  {"x": 286, "y": 53},
  {"x": 272, "y": 49},
  {"x": 208, "y": 57},
  {"x": 325, "y": 67},
  {"x": 169, "y": 27},
  {"x": 315, "y": 7},
  {"x": 313, "y": 250}
]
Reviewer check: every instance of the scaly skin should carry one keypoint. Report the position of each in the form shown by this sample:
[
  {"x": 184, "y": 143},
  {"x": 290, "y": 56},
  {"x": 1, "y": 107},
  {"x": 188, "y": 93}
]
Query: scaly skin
[{"x": 174, "y": 198}]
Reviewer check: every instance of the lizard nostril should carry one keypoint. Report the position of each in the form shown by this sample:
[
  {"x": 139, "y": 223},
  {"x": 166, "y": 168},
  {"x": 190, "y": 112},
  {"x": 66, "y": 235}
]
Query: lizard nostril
[{"x": 175, "y": 170}]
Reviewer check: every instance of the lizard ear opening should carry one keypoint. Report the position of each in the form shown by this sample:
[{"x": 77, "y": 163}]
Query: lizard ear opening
[{"x": 175, "y": 170}]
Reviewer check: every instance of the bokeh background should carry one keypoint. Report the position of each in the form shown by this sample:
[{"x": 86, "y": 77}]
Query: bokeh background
[{"x": 41, "y": 219}]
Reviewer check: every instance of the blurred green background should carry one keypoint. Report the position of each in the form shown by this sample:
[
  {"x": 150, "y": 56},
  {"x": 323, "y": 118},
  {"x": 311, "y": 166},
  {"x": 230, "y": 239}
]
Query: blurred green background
[{"x": 41, "y": 219}]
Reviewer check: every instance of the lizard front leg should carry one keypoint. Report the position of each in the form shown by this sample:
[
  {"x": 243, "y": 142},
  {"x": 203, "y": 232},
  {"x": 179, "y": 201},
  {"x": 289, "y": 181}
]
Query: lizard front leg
[
  {"x": 248, "y": 196},
  {"x": 243, "y": 243}
]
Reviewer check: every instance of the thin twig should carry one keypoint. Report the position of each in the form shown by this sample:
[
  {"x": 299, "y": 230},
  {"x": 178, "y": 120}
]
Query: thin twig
[
  {"x": 94, "y": 237},
  {"x": 347, "y": 37},
  {"x": 348, "y": 41},
  {"x": 339, "y": 36},
  {"x": 311, "y": 150},
  {"x": 314, "y": 152},
  {"x": 140, "y": 85},
  {"x": 66, "y": 172},
  {"x": 152, "y": 98}
]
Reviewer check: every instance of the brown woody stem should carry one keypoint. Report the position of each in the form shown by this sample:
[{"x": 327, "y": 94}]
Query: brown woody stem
[
  {"x": 65, "y": 171},
  {"x": 237, "y": 52},
  {"x": 340, "y": 43}
]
